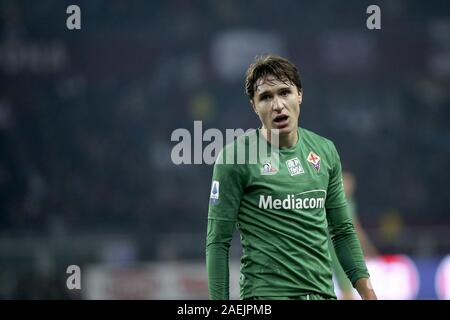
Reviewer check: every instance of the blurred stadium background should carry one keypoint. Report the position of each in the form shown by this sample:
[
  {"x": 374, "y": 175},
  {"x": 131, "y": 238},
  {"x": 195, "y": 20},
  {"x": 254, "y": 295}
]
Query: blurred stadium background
[{"x": 86, "y": 118}]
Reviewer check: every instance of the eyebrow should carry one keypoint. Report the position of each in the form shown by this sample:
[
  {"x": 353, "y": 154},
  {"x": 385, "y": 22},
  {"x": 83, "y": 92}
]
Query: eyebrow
[{"x": 270, "y": 92}]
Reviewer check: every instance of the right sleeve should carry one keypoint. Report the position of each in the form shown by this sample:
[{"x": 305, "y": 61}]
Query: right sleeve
[
  {"x": 220, "y": 234},
  {"x": 226, "y": 192}
]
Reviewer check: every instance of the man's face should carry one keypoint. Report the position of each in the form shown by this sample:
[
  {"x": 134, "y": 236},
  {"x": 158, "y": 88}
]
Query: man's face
[{"x": 277, "y": 104}]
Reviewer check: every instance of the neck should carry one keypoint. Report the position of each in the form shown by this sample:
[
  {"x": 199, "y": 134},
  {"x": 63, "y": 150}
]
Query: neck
[{"x": 284, "y": 141}]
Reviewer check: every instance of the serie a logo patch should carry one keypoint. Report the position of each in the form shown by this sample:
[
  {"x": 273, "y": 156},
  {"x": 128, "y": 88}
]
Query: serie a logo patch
[
  {"x": 214, "y": 196},
  {"x": 314, "y": 159}
]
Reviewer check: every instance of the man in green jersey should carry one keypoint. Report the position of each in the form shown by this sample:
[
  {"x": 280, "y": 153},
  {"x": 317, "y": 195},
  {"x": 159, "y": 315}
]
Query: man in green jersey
[{"x": 283, "y": 203}]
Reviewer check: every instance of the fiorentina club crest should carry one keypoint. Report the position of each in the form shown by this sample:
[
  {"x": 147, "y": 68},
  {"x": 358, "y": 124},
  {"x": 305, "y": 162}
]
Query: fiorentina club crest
[{"x": 314, "y": 159}]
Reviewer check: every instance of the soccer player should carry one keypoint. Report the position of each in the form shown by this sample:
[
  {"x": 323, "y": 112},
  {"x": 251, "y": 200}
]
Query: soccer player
[{"x": 283, "y": 204}]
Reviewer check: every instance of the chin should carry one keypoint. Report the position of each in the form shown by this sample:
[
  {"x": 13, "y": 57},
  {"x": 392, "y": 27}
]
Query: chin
[{"x": 286, "y": 130}]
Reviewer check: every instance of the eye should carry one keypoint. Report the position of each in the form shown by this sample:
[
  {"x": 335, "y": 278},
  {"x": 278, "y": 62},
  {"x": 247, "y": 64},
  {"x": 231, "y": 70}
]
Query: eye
[
  {"x": 285, "y": 93},
  {"x": 264, "y": 97}
]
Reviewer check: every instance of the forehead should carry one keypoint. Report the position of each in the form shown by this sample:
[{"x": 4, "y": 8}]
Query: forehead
[{"x": 270, "y": 82}]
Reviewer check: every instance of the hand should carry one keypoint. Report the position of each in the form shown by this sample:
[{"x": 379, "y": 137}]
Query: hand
[{"x": 365, "y": 289}]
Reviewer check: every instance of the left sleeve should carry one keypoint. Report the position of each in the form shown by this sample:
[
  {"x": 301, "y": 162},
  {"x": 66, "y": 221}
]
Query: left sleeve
[
  {"x": 335, "y": 192},
  {"x": 341, "y": 228}
]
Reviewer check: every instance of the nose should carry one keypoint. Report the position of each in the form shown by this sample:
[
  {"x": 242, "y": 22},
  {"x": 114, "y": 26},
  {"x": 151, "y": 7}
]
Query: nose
[{"x": 277, "y": 104}]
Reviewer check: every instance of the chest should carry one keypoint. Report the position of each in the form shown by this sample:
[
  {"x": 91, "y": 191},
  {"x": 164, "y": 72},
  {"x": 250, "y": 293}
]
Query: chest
[{"x": 291, "y": 173}]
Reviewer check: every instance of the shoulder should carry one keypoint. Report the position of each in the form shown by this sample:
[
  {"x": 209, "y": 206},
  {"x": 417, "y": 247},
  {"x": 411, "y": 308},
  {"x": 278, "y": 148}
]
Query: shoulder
[
  {"x": 244, "y": 140},
  {"x": 315, "y": 138},
  {"x": 325, "y": 146},
  {"x": 247, "y": 138},
  {"x": 230, "y": 152}
]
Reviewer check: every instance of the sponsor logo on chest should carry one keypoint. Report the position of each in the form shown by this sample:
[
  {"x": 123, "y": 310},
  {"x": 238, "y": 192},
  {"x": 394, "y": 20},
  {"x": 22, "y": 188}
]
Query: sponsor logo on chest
[{"x": 313, "y": 199}]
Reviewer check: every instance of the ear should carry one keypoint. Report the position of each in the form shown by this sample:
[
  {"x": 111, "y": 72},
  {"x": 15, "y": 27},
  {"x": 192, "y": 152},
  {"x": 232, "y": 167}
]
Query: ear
[
  {"x": 300, "y": 96},
  {"x": 253, "y": 106}
]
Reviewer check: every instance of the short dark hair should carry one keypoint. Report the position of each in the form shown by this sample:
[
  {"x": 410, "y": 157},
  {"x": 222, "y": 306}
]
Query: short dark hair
[{"x": 281, "y": 68}]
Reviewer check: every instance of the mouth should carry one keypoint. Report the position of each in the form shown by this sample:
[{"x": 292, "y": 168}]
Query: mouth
[{"x": 281, "y": 120}]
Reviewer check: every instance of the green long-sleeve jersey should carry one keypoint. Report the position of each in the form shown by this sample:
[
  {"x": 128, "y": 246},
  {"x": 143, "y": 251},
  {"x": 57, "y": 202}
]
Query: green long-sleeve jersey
[{"x": 282, "y": 205}]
